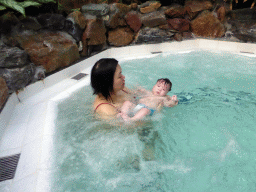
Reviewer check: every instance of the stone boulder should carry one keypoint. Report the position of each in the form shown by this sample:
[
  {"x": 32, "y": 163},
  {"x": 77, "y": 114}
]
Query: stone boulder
[
  {"x": 146, "y": 4},
  {"x": 3, "y": 92},
  {"x": 152, "y": 7},
  {"x": 180, "y": 12},
  {"x": 152, "y": 35},
  {"x": 243, "y": 14},
  {"x": 178, "y": 24},
  {"x": 30, "y": 23},
  {"x": 207, "y": 25},
  {"x": 122, "y": 9},
  {"x": 187, "y": 35},
  {"x": 134, "y": 6},
  {"x": 117, "y": 12},
  {"x": 19, "y": 77},
  {"x": 98, "y": 10},
  {"x": 133, "y": 20},
  {"x": 94, "y": 34},
  {"x": 39, "y": 73},
  {"x": 52, "y": 21},
  {"x": 177, "y": 37},
  {"x": 8, "y": 23},
  {"x": 177, "y": 11},
  {"x": 196, "y": 6},
  {"x": 243, "y": 25},
  {"x": 11, "y": 57},
  {"x": 244, "y": 30},
  {"x": 73, "y": 29},
  {"x": 164, "y": 27},
  {"x": 229, "y": 36},
  {"x": 68, "y": 5},
  {"x": 52, "y": 50},
  {"x": 122, "y": 22},
  {"x": 120, "y": 36},
  {"x": 15, "y": 67},
  {"x": 78, "y": 18},
  {"x": 221, "y": 13},
  {"x": 153, "y": 19},
  {"x": 246, "y": 38}
]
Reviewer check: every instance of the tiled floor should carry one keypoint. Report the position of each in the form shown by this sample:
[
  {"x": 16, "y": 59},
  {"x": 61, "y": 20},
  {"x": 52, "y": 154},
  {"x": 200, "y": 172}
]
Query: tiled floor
[{"x": 27, "y": 126}]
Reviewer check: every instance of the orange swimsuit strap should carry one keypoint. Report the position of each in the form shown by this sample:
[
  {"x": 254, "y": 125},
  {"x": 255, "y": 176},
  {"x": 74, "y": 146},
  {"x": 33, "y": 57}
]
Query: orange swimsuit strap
[
  {"x": 102, "y": 104},
  {"x": 108, "y": 104}
]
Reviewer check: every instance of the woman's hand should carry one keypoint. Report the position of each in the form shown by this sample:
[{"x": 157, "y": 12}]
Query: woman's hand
[{"x": 123, "y": 116}]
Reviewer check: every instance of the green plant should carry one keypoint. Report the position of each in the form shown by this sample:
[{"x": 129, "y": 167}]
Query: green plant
[{"x": 20, "y": 6}]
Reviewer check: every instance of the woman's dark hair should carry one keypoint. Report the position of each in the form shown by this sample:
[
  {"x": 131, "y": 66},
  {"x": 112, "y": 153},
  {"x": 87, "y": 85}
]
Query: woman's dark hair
[
  {"x": 166, "y": 81},
  {"x": 102, "y": 77}
]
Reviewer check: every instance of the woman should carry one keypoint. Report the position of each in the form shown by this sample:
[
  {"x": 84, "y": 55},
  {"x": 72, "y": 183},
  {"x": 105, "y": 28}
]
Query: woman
[{"x": 108, "y": 84}]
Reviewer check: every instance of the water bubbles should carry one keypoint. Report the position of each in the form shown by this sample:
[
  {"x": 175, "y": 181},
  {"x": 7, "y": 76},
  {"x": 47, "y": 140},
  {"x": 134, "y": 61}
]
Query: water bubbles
[{"x": 245, "y": 84}]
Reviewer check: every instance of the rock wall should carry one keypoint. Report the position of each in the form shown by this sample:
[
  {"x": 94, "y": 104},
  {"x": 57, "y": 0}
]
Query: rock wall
[{"x": 33, "y": 47}]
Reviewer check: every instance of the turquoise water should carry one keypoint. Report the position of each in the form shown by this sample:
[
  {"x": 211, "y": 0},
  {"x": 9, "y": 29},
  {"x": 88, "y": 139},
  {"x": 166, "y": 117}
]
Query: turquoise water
[{"x": 206, "y": 143}]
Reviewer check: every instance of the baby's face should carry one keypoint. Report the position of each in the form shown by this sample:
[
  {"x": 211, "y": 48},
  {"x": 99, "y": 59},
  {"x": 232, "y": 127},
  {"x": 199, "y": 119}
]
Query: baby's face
[{"x": 160, "y": 89}]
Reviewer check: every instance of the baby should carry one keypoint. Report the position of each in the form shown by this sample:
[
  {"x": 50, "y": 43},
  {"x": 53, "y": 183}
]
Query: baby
[{"x": 151, "y": 101}]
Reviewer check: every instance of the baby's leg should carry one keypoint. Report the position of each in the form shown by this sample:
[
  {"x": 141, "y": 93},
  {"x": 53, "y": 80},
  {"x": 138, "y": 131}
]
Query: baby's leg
[
  {"x": 127, "y": 105},
  {"x": 140, "y": 114}
]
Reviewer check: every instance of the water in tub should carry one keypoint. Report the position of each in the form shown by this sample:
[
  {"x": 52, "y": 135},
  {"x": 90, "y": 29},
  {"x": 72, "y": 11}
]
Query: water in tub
[{"x": 206, "y": 143}]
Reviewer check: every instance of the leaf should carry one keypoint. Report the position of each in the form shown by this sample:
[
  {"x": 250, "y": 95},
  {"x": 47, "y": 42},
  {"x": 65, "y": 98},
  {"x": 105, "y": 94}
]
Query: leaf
[
  {"x": 60, "y": 7},
  {"x": 46, "y": 1},
  {"x": 14, "y": 5},
  {"x": 77, "y": 9},
  {"x": 28, "y": 3},
  {"x": 2, "y": 8}
]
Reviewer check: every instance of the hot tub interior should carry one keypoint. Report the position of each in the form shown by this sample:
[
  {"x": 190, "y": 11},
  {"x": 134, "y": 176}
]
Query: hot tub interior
[{"x": 206, "y": 143}]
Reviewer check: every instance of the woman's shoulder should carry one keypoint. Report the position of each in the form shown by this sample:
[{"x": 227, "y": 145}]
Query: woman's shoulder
[{"x": 103, "y": 106}]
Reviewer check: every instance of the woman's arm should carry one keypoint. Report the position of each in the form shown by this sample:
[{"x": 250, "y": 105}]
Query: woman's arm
[
  {"x": 127, "y": 90},
  {"x": 141, "y": 92}
]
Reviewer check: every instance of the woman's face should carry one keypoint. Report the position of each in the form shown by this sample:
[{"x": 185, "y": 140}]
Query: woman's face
[{"x": 119, "y": 80}]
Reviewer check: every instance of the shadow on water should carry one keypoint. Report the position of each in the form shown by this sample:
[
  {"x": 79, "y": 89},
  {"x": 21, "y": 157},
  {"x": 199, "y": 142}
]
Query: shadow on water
[{"x": 222, "y": 95}]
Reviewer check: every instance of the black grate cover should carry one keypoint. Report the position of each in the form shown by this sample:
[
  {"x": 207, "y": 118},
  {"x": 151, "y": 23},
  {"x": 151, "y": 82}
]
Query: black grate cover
[
  {"x": 246, "y": 52},
  {"x": 79, "y": 76},
  {"x": 8, "y": 167},
  {"x": 156, "y": 52}
]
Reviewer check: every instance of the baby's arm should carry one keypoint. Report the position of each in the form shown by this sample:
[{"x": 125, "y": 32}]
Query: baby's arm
[{"x": 170, "y": 101}]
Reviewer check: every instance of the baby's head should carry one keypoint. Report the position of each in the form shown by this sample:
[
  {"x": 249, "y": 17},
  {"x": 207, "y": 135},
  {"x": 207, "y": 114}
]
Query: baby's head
[{"x": 162, "y": 87}]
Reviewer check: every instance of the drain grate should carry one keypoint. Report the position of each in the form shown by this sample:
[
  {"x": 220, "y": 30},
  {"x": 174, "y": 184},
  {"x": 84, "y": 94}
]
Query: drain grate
[
  {"x": 79, "y": 76},
  {"x": 156, "y": 52},
  {"x": 246, "y": 52},
  {"x": 8, "y": 167}
]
